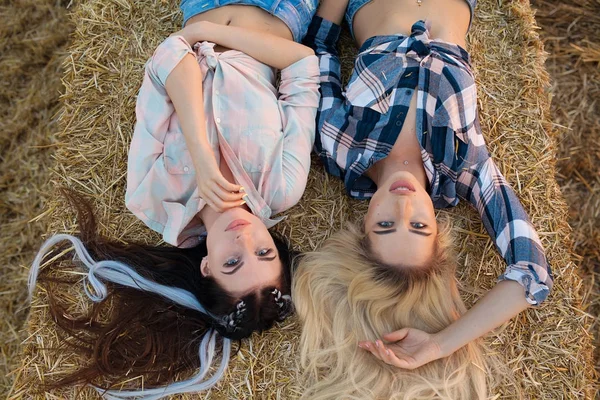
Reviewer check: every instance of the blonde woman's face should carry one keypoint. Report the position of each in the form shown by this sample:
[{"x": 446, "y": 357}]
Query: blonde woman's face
[{"x": 401, "y": 223}]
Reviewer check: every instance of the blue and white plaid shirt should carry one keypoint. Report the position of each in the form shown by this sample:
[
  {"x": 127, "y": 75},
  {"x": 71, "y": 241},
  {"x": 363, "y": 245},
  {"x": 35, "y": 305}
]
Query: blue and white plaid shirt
[{"x": 360, "y": 125}]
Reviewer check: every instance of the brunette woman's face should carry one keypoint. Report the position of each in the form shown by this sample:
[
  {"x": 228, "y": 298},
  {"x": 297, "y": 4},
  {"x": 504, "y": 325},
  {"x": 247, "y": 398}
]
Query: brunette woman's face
[
  {"x": 400, "y": 223},
  {"x": 242, "y": 256}
]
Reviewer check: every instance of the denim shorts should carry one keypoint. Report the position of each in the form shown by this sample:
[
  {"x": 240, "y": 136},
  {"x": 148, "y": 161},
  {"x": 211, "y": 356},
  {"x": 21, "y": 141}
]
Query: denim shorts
[
  {"x": 296, "y": 14},
  {"x": 355, "y": 5}
]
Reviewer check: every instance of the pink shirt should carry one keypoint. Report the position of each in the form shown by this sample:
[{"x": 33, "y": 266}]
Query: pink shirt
[{"x": 263, "y": 134}]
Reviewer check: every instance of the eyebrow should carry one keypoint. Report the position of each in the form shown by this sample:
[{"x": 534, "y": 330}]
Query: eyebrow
[
  {"x": 419, "y": 232},
  {"x": 410, "y": 230},
  {"x": 385, "y": 232},
  {"x": 233, "y": 271}
]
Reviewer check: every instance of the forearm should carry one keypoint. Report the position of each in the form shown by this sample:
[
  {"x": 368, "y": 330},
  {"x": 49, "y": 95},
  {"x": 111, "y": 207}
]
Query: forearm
[
  {"x": 264, "y": 47},
  {"x": 332, "y": 10},
  {"x": 500, "y": 304},
  {"x": 184, "y": 88}
]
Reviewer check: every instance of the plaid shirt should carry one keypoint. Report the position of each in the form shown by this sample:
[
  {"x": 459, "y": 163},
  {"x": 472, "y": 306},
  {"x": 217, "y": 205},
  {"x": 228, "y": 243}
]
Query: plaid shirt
[
  {"x": 264, "y": 133},
  {"x": 360, "y": 125}
]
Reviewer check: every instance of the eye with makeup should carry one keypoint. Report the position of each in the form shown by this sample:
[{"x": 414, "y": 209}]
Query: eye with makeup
[
  {"x": 232, "y": 262},
  {"x": 267, "y": 254},
  {"x": 385, "y": 224},
  {"x": 418, "y": 225},
  {"x": 264, "y": 252}
]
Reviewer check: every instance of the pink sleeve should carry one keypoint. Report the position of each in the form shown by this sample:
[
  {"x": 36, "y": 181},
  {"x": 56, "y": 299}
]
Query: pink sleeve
[
  {"x": 166, "y": 57},
  {"x": 154, "y": 112},
  {"x": 298, "y": 101}
]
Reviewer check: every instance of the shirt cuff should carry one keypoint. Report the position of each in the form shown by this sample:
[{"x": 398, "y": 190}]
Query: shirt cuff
[
  {"x": 322, "y": 31},
  {"x": 167, "y": 55},
  {"x": 528, "y": 276},
  {"x": 308, "y": 67}
]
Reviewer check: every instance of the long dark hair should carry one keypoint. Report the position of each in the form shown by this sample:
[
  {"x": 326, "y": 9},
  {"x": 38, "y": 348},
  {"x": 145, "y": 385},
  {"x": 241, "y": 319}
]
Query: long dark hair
[{"x": 142, "y": 333}]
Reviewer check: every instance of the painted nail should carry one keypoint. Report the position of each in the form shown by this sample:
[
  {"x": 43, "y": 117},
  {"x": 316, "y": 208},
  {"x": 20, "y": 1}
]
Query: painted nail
[
  {"x": 242, "y": 190},
  {"x": 242, "y": 203},
  {"x": 377, "y": 344},
  {"x": 387, "y": 352},
  {"x": 245, "y": 197}
]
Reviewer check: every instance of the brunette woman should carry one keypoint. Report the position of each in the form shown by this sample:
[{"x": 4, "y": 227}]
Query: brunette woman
[{"x": 217, "y": 151}]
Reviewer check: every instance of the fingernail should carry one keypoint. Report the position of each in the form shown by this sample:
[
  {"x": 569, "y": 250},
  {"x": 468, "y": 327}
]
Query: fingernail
[
  {"x": 387, "y": 351},
  {"x": 377, "y": 344},
  {"x": 242, "y": 203},
  {"x": 245, "y": 197},
  {"x": 367, "y": 345},
  {"x": 242, "y": 190}
]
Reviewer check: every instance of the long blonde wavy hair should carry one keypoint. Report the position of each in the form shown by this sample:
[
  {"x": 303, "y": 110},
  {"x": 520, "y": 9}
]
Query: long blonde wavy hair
[{"x": 343, "y": 296}]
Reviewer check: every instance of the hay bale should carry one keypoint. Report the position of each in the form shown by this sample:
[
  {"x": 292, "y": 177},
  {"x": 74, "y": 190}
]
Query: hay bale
[{"x": 548, "y": 349}]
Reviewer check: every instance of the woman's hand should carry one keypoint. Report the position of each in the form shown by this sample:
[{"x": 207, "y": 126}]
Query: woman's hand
[
  {"x": 192, "y": 33},
  {"x": 408, "y": 348},
  {"x": 218, "y": 192}
]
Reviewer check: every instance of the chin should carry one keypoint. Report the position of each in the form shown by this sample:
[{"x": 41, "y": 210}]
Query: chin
[{"x": 402, "y": 175}]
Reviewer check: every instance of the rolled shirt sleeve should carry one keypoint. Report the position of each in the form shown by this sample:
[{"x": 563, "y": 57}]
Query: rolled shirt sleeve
[{"x": 508, "y": 225}]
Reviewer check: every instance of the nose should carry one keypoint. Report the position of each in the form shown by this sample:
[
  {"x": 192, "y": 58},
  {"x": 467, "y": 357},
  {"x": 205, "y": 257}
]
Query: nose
[
  {"x": 403, "y": 206},
  {"x": 242, "y": 235}
]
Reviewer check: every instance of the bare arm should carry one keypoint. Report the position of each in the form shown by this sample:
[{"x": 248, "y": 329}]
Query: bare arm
[
  {"x": 184, "y": 87},
  {"x": 332, "y": 10},
  {"x": 266, "y": 48},
  {"x": 499, "y": 305},
  {"x": 411, "y": 348}
]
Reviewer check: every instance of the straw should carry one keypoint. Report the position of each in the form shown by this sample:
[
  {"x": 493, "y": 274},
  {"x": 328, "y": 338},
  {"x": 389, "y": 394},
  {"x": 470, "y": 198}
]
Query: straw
[{"x": 548, "y": 349}]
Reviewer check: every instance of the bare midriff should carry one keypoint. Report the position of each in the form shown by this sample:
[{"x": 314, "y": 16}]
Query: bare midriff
[
  {"x": 249, "y": 17},
  {"x": 448, "y": 19}
]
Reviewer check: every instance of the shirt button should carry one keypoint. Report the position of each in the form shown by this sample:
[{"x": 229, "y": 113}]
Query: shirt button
[
  {"x": 218, "y": 120},
  {"x": 398, "y": 123},
  {"x": 186, "y": 169}
]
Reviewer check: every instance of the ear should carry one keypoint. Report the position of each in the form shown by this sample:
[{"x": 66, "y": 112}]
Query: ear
[{"x": 204, "y": 268}]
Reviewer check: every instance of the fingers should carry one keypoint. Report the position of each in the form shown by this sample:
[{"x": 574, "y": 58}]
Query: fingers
[
  {"x": 370, "y": 347},
  {"x": 394, "y": 360},
  {"x": 217, "y": 204},
  {"x": 385, "y": 354},
  {"x": 224, "y": 195},
  {"x": 396, "y": 335},
  {"x": 381, "y": 350},
  {"x": 218, "y": 198},
  {"x": 228, "y": 186},
  {"x": 376, "y": 348}
]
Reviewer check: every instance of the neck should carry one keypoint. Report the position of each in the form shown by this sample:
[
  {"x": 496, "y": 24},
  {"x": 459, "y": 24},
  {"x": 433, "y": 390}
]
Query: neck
[{"x": 208, "y": 216}]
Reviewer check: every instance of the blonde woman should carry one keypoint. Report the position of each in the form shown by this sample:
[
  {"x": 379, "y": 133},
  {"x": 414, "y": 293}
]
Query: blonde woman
[{"x": 405, "y": 134}]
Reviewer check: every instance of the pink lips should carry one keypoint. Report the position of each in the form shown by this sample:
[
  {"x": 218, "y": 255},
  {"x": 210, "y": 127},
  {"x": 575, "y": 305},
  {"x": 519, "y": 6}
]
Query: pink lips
[
  {"x": 402, "y": 187},
  {"x": 237, "y": 224}
]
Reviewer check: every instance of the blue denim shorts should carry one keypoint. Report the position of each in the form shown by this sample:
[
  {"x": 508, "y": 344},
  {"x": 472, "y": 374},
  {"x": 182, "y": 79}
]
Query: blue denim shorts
[
  {"x": 296, "y": 14},
  {"x": 355, "y": 5}
]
